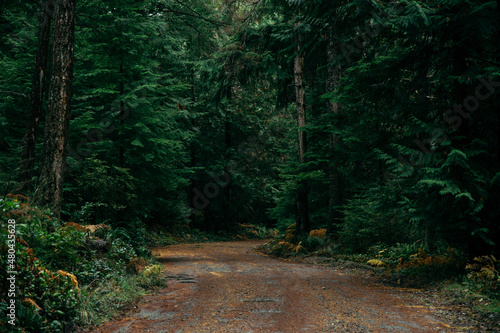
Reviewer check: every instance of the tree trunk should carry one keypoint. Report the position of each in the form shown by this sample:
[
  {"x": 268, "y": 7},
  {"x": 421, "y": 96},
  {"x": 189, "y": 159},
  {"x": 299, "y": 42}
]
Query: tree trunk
[
  {"x": 56, "y": 132},
  {"x": 192, "y": 161},
  {"x": 497, "y": 97},
  {"x": 303, "y": 224},
  {"x": 334, "y": 181},
  {"x": 26, "y": 171},
  {"x": 121, "y": 153},
  {"x": 227, "y": 189}
]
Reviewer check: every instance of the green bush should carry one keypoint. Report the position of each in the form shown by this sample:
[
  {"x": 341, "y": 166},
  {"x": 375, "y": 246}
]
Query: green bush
[
  {"x": 367, "y": 222},
  {"x": 120, "y": 251},
  {"x": 60, "y": 275},
  {"x": 46, "y": 300},
  {"x": 62, "y": 249},
  {"x": 483, "y": 276},
  {"x": 311, "y": 243}
]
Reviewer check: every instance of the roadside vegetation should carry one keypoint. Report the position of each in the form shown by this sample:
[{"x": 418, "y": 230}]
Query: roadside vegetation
[{"x": 69, "y": 276}]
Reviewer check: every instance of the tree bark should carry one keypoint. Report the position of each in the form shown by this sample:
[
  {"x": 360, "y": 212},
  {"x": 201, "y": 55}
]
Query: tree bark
[
  {"x": 334, "y": 179},
  {"x": 121, "y": 157},
  {"x": 26, "y": 171},
  {"x": 302, "y": 218},
  {"x": 227, "y": 189},
  {"x": 50, "y": 190},
  {"x": 498, "y": 98}
]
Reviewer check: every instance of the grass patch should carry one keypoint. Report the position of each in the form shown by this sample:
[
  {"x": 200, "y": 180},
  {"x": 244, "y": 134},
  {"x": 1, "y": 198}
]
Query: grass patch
[{"x": 114, "y": 295}]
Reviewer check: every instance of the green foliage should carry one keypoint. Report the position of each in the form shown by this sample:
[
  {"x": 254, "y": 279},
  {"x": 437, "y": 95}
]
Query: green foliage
[
  {"x": 370, "y": 219},
  {"x": 17, "y": 45},
  {"x": 410, "y": 265},
  {"x": 129, "y": 137},
  {"x": 120, "y": 251},
  {"x": 194, "y": 235},
  {"x": 250, "y": 231},
  {"x": 287, "y": 243},
  {"x": 59, "y": 273},
  {"x": 64, "y": 245},
  {"x": 263, "y": 232},
  {"x": 311, "y": 244},
  {"x": 483, "y": 275},
  {"x": 45, "y": 300},
  {"x": 104, "y": 300}
]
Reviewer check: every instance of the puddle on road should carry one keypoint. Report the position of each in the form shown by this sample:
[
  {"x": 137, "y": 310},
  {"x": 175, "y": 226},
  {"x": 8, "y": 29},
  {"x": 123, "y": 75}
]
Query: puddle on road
[
  {"x": 182, "y": 278},
  {"x": 266, "y": 311},
  {"x": 261, "y": 300}
]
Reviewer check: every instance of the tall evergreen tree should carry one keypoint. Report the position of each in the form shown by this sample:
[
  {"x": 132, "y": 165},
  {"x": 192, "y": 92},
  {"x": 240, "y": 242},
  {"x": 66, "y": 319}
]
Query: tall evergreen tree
[
  {"x": 18, "y": 22},
  {"x": 303, "y": 224},
  {"x": 50, "y": 189},
  {"x": 27, "y": 164}
]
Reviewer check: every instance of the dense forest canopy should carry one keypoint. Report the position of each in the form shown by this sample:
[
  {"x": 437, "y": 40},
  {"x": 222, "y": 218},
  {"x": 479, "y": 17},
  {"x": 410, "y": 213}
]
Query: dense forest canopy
[{"x": 378, "y": 120}]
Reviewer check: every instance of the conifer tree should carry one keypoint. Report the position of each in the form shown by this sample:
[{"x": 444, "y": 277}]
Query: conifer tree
[
  {"x": 56, "y": 133},
  {"x": 27, "y": 164}
]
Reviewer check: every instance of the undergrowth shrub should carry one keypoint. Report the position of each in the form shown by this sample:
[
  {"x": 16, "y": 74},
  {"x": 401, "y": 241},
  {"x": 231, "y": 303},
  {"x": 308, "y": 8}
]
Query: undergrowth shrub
[
  {"x": 423, "y": 267},
  {"x": 412, "y": 265},
  {"x": 121, "y": 251},
  {"x": 59, "y": 271},
  {"x": 194, "y": 235},
  {"x": 318, "y": 233},
  {"x": 284, "y": 243},
  {"x": 252, "y": 231},
  {"x": 62, "y": 248},
  {"x": 367, "y": 222},
  {"x": 158, "y": 235},
  {"x": 288, "y": 243},
  {"x": 483, "y": 275},
  {"x": 311, "y": 243},
  {"x": 135, "y": 234},
  {"x": 104, "y": 300},
  {"x": 46, "y": 300}
]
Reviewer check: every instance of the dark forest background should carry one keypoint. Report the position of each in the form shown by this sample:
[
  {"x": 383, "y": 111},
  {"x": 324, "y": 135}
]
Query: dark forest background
[{"x": 376, "y": 120}]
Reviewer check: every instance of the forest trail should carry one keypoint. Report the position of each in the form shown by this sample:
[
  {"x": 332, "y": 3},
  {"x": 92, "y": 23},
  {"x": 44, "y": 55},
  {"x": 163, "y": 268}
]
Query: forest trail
[{"x": 225, "y": 287}]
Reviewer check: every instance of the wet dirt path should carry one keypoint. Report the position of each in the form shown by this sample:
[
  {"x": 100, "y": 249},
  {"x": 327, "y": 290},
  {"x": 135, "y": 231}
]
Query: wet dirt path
[{"x": 225, "y": 287}]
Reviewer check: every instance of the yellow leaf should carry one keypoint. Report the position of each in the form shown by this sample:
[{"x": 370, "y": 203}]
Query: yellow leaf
[
  {"x": 31, "y": 302},
  {"x": 72, "y": 277},
  {"x": 376, "y": 263}
]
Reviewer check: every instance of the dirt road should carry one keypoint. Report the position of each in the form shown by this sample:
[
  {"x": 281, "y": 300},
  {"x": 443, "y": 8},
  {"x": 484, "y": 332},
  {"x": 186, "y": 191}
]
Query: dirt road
[{"x": 225, "y": 287}]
